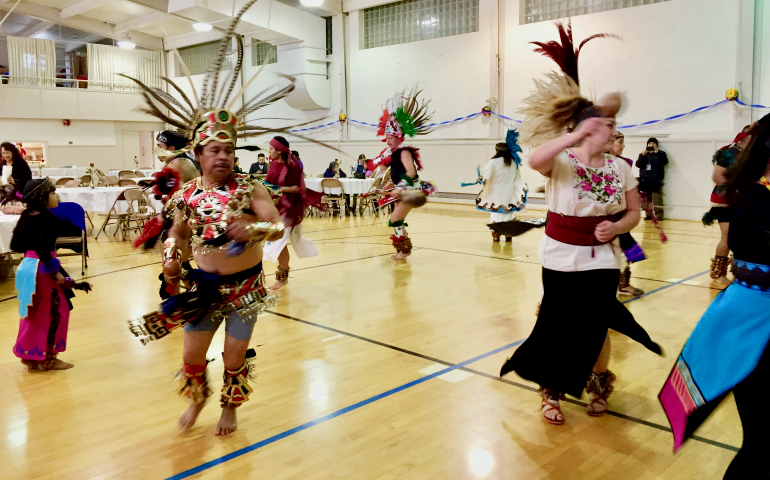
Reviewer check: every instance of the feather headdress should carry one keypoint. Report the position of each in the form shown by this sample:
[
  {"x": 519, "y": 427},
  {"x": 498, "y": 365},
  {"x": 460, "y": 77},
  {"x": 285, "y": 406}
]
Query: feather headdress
[
  {"x": 211, "y": 116},
  {"x": 405, "y": 116},
  {"x": 556, "y": 101}
]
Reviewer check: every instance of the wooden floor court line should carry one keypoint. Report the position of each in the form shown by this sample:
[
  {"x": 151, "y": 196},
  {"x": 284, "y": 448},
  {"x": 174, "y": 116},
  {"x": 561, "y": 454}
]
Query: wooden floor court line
[
  {"x": 622, "y": 416},
  {"x": 335, "y": 414}
]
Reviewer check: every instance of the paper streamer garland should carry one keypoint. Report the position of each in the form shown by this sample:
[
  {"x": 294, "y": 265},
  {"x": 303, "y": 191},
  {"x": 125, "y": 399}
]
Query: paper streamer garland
[{"x": 485, "y": 112}]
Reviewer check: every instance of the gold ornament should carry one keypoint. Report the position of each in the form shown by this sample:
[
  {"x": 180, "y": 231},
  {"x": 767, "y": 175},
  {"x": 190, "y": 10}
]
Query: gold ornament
[{"x": 731, "y": 94}]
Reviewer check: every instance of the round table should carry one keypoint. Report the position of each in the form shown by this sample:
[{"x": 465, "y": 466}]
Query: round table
[
  {"x": 7, "y": 224},
  {"x": 351, "y": 186},
  {"x": 99, "y": 199}
]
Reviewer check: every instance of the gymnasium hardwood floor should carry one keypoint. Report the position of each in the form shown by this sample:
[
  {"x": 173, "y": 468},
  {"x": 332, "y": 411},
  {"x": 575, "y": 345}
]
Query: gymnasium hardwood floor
[{"x": 349, "y": 365}]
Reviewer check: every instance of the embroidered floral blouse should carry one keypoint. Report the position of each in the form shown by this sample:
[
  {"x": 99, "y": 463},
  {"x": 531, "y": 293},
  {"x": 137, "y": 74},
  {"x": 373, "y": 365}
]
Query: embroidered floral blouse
[{"x": 575, "y": 189}]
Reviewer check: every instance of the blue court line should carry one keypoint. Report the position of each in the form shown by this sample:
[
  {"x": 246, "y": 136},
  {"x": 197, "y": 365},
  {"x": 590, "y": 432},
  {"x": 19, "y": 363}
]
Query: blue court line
[
  {"x": 363, "y": 403},
  {"x": 665, "y": 287},
  {"x": 325, "y": 418}
]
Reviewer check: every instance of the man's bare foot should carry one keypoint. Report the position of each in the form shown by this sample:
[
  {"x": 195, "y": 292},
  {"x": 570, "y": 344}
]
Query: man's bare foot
[
  {"x": 278, "y": 285},
  {"x": 400, "y": 256},
  {"x": 227, "y": 422},
  {"x": 722, "y": 282},
  {"x": 59, "y": 365},
  {"x": 187, "y": 420}
]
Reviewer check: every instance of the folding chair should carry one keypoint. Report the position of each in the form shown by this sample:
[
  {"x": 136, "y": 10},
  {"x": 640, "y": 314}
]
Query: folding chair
[
  {"x": 112, "y": 181},
  {"x": 126, "y": 182},
  {"x": 85, "y": 180},
  {"x": 138, "y": 214},
  {"x": 60, "y": 182},
  {"x": 127, "y": 174},
  {"x": 70, "y": 212},
  {"x": 369, "y": 199},
  {"x": 114, "y": 215},
  {"x": 71, "y": 184},
  {"x": 333, "y": 200}
]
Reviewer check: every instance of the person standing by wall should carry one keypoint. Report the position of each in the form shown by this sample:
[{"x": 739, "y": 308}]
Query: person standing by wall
[
  {"x": 20, "y": 171},
  {"x": 651, "y": 164}
]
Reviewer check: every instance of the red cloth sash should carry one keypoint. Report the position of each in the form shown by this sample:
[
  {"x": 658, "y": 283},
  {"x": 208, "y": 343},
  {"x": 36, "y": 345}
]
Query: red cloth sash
[{"x": 576, "y": 230}]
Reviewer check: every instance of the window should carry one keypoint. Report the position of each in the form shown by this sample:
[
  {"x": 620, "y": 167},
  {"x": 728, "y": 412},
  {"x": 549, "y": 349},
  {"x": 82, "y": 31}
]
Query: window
[
  {"x": 199, "y": 57},
  {"x": 261, "y": 51},
  {"x": 541, "y": 10},
  {"x": 329, "y": 42},
  {"x": 414, "y": 20}
]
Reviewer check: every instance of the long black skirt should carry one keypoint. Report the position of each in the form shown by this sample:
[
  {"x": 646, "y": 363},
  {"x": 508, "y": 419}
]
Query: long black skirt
[{"x": 577, "y": 310}]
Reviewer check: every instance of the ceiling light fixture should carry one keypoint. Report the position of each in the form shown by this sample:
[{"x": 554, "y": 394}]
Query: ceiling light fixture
[
  {"x": 202, "y": 27},
  {"x": 126, "y": 43},
  {"x": 312, "y": 3}
]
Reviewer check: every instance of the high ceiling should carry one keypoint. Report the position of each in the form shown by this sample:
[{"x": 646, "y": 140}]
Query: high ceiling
[{"x": 145, "y": 22}]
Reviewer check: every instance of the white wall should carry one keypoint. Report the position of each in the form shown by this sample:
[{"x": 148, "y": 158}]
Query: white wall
[
  {"x": 81, "y": 143},
  {"x": 673, "y": 57}
]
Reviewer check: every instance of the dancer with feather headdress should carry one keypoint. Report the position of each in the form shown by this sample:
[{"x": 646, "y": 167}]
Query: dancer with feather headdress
[
  {"x": 404, "y": 116},
  {"x": 220, "y": 221},
  {"x": 505, "y": 191},
  {"x": 592, "y": 198}
]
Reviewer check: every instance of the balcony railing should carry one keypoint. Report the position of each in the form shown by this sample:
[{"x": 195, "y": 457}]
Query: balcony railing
[{"x": 45, "y": 82}]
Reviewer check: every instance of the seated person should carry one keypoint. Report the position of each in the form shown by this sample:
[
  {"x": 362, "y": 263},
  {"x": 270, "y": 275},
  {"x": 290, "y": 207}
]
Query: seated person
[
  {"x": 334, "y": 171},
  {"x": 360, "y": 168},
  {"x": 259, "y": 168},
  {"x": 237, "y": 166}
]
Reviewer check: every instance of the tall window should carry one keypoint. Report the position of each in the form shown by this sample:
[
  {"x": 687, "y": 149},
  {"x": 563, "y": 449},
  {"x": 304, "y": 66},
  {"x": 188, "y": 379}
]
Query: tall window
[
  {"x": 199, "y": 57},
  {"x": 329, "y": 42},
  {"x": 541, "y": 10},
  {"x": 261, "y": 51},
  {"x": 414, "y": 20}
]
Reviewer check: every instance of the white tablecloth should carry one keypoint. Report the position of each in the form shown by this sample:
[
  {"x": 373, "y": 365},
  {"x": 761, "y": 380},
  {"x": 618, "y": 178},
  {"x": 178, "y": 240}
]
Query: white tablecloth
[
  {"x": 352, "y": 186},
  {"x": 147, "y": 172},
  {"x": 7, "y": 224},
  {"x": 75, "y": 172},
  {"x": 99, "y": 199}
]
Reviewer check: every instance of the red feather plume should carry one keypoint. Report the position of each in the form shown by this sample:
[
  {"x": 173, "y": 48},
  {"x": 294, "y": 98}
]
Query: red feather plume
[
  {"x": 383, "y": 121},
  {"x": 565, "y": 54}
]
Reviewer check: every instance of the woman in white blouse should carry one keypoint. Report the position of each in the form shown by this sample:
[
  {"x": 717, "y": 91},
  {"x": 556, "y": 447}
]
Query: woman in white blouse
[{"x": 592, "y": 198}]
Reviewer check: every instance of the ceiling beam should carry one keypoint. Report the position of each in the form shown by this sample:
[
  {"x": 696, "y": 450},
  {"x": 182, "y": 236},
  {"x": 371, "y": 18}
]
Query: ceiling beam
[
  {"x": 140, "y": 22},
  {"x": 81, "y": 7},
  {"x": 35, "y": 28},
  {"x": 89, "y": 25},
  {"x": 74, "y": 45}
]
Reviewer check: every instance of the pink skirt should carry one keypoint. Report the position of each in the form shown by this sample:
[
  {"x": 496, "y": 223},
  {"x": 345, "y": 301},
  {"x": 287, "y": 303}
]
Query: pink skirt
[{"x": 43, "y": 332}]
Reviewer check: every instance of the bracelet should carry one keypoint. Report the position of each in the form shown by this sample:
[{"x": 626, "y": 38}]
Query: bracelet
[
  {"x": 170, "y": 251},
  {"x": 262, "y": 230}
]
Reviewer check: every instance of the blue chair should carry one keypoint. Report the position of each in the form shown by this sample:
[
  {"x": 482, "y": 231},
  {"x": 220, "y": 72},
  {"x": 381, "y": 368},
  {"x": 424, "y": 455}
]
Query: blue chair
[{"x": 75, "y": 215}]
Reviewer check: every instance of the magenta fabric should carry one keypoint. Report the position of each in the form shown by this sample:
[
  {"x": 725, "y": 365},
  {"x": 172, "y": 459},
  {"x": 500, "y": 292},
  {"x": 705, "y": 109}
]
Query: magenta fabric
[
  {"x": 44, "y": 331},
  {"x": 676, "y": 407},
  {"x": 292, "y": 206}
]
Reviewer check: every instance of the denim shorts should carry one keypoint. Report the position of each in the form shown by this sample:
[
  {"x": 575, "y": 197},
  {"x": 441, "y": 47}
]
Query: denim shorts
[{"x": 235, "y": 326}]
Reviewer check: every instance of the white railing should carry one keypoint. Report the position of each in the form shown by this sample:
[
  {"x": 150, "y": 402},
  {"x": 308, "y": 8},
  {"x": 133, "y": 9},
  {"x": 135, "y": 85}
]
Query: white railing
[{"x": 45, "y": 82}]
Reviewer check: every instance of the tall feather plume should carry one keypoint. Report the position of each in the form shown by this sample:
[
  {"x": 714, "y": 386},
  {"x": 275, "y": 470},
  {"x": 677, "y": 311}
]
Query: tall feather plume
[
  {"x": 236, "y": 70},
  {"x": 259, "y": 101},
  {"x": 565, "y": 54},
  {"x": 152, "y": 109},
  {"x": 212, "y": 74},
  {"x": 418, "y": 111},
  {"x": 556, "y": 101},
  {"x": 179, "y": 91},
  {"x": 160, "y": 97},
  {"x": 198, "y": 109}
]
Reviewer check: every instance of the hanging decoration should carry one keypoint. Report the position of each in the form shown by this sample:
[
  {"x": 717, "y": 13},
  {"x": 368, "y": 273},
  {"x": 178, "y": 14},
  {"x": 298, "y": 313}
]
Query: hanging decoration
[{"x": 730, "y": 96}]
